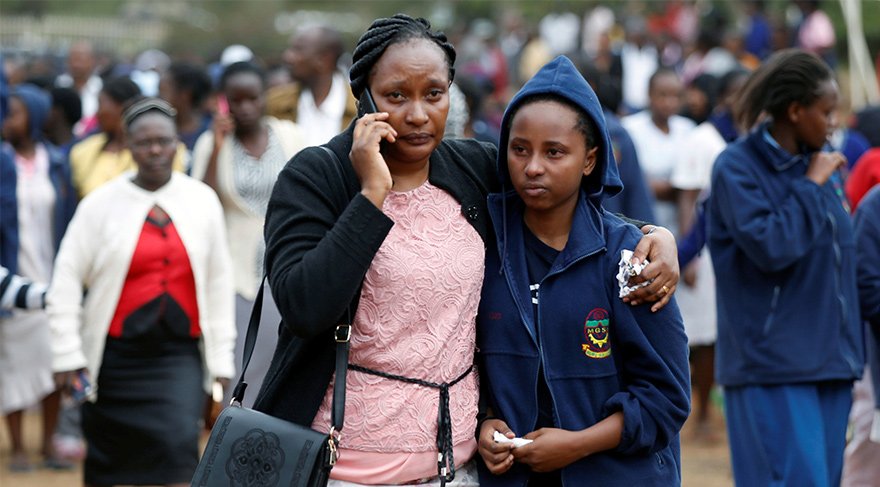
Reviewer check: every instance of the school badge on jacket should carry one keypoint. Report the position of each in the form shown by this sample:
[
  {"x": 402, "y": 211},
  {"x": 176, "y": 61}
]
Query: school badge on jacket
[{"x": 596, "y": 334}]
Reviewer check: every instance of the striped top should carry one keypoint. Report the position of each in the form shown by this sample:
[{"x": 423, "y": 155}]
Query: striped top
[
  {"x": 18, "y": 292},
  {"x": 255, "y": 177}
]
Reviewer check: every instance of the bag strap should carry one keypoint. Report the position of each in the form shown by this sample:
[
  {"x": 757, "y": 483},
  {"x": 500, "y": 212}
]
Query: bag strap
[{"x": 342, "y": 336}]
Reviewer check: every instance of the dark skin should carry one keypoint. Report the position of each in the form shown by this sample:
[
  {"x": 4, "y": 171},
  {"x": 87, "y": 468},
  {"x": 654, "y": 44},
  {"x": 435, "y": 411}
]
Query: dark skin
[
  {"x": 81, "y": 63},
  {"x": 810, "y": 126},
  {"x": 311, "y": 61},
  {"x": 391, "y": 148},
  {"x": 664, "y": 97},
  {"x": 245, "y": 94},
  {"x": 16, "y": 129},
  {"x": 58, "y": 130},
  {"x": 110, "y": 119},
  {"x": 188, "y": 118}
]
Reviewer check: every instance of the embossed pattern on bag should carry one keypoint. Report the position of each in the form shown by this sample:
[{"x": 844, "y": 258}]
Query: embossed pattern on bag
[{"x": 248, "y": 448}]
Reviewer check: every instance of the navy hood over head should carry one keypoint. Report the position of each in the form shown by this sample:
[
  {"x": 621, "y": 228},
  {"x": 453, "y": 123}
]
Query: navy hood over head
[
  {"x": 563, "y": 344},
  {"x": 561, "y": 78}
]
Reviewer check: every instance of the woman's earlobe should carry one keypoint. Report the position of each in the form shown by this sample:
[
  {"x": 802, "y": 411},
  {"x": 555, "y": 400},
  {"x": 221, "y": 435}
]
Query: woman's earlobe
[
  {"x": 590, "y": 162},
  {"x": 794, "y": 112}
]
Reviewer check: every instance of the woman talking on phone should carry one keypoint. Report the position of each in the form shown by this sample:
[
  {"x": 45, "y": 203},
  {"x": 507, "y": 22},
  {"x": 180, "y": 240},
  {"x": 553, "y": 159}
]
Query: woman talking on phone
[{"x": 388, "y": 221}]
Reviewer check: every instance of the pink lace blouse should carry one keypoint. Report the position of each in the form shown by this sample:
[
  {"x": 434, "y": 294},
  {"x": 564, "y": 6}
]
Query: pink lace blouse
[{"x": 416, "y": 318}]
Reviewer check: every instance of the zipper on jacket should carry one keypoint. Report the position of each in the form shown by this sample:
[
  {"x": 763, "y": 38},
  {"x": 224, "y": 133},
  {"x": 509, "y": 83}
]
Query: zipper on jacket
[
  {"x": 538, "y": 328},
  {"x": 841, "y": 301},
  {"x": 773, "y": 303},
  {"x": 838, "y": 263}
]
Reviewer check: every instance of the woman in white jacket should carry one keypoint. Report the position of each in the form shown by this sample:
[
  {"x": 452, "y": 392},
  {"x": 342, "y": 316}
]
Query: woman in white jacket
[
  {"x": 155, "y": 328},
  {"x": 241, "y": 158}
]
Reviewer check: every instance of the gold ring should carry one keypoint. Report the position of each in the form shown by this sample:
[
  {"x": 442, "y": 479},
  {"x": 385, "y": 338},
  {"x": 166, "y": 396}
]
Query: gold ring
[{"x": 664, "y": 289}]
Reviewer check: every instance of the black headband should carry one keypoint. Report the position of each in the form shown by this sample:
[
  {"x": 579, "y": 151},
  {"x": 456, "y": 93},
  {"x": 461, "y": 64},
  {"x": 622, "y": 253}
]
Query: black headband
[{"x": 145, "y": 105}]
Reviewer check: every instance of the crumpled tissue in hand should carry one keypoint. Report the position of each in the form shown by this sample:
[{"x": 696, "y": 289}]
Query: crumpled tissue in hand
[
  {"x": 517, "y": 442},
  {"x": 627, "y": 270}
]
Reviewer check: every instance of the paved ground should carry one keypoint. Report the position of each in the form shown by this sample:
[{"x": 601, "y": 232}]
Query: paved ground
[{"x": 703, "y": 465}]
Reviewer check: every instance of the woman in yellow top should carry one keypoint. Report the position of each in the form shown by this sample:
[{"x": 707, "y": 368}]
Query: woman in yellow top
[{"x": 104, "y": 155}]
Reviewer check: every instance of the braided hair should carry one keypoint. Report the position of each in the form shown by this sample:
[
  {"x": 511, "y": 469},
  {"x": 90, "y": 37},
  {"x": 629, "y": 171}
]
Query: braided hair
[{"x": 386, "y": 32}]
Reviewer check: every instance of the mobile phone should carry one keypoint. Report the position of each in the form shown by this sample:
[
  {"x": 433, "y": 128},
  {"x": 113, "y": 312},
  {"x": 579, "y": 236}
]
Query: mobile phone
[
  {"x": 222, "y": 105},
  {"x": 366, "y": 104},
  {"x": 80, "y": 386}
]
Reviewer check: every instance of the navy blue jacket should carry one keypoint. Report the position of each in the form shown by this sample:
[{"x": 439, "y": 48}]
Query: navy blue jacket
[
  {"x": 65, "y": 202},
  {"x": 867, "y": 223},
  {"x": 641, "y": 369},
  {"x": 784, "y": 256}
]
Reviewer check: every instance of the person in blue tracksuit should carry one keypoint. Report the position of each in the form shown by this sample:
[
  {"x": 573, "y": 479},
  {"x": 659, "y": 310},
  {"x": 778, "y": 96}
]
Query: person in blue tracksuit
[
  {"x": 790, "y": 340},
  {"x": 600, "y": 386},
  {"x": 860, "y": 466}
]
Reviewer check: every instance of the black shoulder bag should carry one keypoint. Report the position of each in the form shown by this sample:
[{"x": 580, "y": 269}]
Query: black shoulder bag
[{"x": 248, "y": 448}]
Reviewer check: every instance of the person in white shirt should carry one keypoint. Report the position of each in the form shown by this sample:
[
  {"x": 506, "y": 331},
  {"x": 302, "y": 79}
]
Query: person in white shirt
[
  {"x": 696, "y": 298},
  {"x": 639, "y": 58},
  {"x": 318, "y": 99},
  {"x": 658, "y": 133},
  {"x": 82, "y": 77}
]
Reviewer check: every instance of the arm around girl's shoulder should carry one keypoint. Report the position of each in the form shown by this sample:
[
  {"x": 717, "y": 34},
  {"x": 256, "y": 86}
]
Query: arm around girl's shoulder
[{"x": 655, "y": 398}]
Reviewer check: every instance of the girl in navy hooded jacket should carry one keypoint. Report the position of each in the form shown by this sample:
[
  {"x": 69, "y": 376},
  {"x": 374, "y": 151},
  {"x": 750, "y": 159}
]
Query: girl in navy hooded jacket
[
  {"x": 790, "y": 341},
  {"x": 601, "y": 387}
]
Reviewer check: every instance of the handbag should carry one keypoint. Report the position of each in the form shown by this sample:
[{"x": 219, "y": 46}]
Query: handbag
[{"x": 248, "y": 448}]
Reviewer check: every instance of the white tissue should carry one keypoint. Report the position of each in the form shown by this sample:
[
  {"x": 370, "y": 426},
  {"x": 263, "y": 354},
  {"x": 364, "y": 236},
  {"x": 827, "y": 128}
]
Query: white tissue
[
  {"x": 627, "y": 270},
  {"x": 517, "y": 442}
]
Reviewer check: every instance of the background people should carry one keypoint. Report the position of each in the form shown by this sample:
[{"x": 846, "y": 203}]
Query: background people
[
  {"x": 186, "y": 87},
  {"x": 240, "y": 159},
  {"x": 317, "y": 99},
  {"x": 156, "y": 239},
  {"x": 778, "y": 229},
  {"x": 42, "y": 203},
  {"x": 105, "y": 155}
]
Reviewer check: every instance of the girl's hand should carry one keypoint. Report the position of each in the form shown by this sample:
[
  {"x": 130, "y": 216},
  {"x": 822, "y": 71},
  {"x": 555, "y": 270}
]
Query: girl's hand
[
  {"x": 223, "y": 126},
  {"x": 551, "y": 449},
  {"x": 366, "y": 158},
  {"x": 823, "y": 165},
  {"x": 497, "y": 456},
  {"x": 658, "y": 246}
]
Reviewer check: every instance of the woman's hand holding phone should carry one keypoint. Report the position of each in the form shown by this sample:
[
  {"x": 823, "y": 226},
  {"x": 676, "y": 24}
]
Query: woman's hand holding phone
[
  {"x": 223, "y": 123},
  {"x": 75, "y": 383},
  {"x": 366, "y": 156}
]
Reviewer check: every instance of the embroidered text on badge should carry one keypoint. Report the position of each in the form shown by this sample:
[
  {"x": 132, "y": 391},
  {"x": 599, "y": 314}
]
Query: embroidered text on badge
[{"x": 596, "y": 333}]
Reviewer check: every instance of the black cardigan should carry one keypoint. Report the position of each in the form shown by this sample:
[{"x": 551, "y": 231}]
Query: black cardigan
[{"x": 321, "y": 237}]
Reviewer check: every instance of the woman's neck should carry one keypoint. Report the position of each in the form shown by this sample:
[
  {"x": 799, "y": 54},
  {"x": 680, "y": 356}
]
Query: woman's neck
[
  {"x": 552, "y": 226},
  {"x": 148, "y": 185},
  {"x": 187, "y": 122},
  {"x": 115, "y": 142},
  {"x": 784, "y": 135},
  {"x": 407, "y": 176},
  {"x": 26, "y": 147},
  {"x": 250, "y": 133},
  {"x": 661, "y": 123}
]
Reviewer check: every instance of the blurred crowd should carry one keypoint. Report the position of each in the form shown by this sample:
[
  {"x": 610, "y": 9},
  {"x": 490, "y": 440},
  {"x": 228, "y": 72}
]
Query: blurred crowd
[{"x": 668, "y": 83}]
